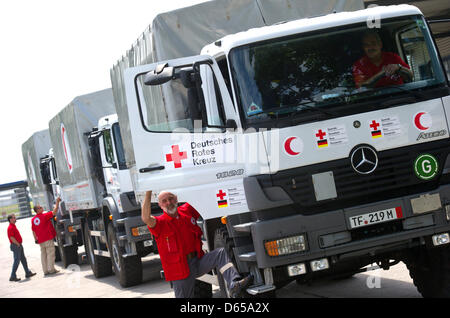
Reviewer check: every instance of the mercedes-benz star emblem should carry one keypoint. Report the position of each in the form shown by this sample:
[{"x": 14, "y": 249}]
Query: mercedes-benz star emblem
[{"x": 364, "y": 160}]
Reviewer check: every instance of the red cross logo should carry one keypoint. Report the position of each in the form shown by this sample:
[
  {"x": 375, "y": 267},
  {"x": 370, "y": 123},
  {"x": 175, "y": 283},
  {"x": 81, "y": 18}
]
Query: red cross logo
[
  {"x": 176, "y": 156},
  {"x": 221, "y": 195},
  {"x": 321, "y": 134},
  {"x": 374, "y": 125}
]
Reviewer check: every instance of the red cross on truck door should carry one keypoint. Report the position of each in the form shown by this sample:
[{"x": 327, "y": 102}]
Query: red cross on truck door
[{"x": 176, "y": 156}]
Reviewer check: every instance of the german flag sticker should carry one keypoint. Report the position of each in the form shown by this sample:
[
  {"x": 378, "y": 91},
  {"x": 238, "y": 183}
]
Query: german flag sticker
[
  {"x": 222, "y": 203},
  {"x": 376, "y": 134},
  {"x": 322, "y": 143}
]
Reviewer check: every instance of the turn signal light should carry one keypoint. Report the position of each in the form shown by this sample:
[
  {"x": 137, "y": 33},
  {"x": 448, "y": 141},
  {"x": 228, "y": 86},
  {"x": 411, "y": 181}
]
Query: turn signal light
[
  {"x": 286, "y": 246},
  {"x": 141, "y": 230}
]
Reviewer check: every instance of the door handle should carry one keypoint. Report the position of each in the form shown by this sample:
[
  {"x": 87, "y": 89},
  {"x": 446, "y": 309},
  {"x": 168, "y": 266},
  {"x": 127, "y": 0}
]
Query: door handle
[{"x": 143, "y": 170}]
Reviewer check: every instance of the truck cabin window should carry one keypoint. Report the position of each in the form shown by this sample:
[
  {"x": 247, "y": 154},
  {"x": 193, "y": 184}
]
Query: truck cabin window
[
  {"x": 119, "y": 146},
  {"x": 109, "y": 151},
  {"x": 190, "y": 100},
  {"x": 306, "y": 76}
]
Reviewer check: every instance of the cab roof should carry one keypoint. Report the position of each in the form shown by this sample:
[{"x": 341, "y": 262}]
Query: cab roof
[{"x": 225, "y": 44}]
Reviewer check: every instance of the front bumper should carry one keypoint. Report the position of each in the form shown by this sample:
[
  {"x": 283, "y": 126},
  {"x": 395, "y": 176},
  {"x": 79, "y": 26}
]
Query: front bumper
[{"x": 329, "y": 234}]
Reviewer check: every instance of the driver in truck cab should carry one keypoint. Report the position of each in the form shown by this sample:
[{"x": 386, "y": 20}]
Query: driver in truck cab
[
  {"x": 378, "y": 68},
  {"x": 178, "y": 238}
]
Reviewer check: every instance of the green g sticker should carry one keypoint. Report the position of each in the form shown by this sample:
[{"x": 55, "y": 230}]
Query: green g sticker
[{"x": 426, "y": 167}]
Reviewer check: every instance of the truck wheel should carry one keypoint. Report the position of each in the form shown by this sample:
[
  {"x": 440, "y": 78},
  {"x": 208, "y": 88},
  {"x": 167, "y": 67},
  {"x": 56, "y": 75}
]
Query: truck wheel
[
  {"x": 57, "y": 254},
  {"x": 101, "y": 266},
  {"x": 202, "y": 289},
  {"x": 430, "y": 271},
  {"x": 68, "y": 255},
  {"x": 128, "y": 270},
  {"x": 222, "y": 240}
]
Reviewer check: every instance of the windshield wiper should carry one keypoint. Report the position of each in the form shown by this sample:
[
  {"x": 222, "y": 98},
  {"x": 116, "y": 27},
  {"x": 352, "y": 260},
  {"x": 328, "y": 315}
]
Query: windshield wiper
[
  {"x": 410, "y": 92},
  {"x": 413, "y": 96}
]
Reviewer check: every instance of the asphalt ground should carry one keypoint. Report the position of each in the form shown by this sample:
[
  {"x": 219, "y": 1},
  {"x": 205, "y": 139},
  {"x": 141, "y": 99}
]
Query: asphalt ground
[{"x": 78, "y": 281}]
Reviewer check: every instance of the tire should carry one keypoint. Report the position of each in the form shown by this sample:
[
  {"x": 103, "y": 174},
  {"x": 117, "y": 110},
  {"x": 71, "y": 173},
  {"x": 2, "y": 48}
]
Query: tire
[
  {"x": 101, "y": 266},
  {"x": 202, "y": 289},
  {"x": 128, "y": 270},
  {"x": 57, "y": 254},
  {"x": 222, "y": 239},
  {"x": 68, "y": 255},
  {"x": 430, "y": 271}
]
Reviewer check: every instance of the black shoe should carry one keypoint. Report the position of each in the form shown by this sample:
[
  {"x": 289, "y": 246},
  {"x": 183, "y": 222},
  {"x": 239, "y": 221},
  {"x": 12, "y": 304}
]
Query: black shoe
[
  {"x": 240, "y": 285},
  {"x": 14, "y": 279},
  {"x": 30, "y": 274}
]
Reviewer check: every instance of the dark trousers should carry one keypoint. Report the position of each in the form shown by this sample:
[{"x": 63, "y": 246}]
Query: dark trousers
[
  {"x": 19, "y": 257},
  {"x": 218, "y": 258}
]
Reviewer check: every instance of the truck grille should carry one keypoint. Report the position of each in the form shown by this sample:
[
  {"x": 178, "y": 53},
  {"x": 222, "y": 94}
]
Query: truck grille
[{"x": 393, "y": 177}]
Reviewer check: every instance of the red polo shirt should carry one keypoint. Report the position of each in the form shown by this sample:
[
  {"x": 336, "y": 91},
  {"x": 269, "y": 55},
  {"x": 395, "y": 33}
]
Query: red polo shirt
[
  {"x": 14, "y": 232},
  {"x": 42, "y": 226},
  {"x": 175, "y": 238},
  {"x": 363, "y": 69}
]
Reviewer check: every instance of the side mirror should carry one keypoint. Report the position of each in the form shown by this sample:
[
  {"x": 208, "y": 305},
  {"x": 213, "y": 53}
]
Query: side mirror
[
  {"x": 231, "y": 123},
  {"x": 162, "y": 74},
  {"x": 45, "y": 172},
  {"x": 187, "y": 77}
]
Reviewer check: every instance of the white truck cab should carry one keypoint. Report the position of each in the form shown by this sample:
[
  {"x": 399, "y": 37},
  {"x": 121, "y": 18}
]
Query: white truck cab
[
  {"x": 314, "y": 174},
  {"x": 117, "y": 176}
]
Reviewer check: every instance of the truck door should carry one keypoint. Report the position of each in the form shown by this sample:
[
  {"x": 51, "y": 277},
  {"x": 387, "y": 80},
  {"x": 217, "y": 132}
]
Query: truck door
[
  {"x": 186, "y": 135},
  {"x": 109, "y": 163}
]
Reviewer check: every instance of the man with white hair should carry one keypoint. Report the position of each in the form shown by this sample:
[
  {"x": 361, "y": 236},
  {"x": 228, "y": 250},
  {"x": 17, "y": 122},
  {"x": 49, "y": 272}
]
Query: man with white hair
[
  {"x": 44, "y": 233},
  {"x": 178, "y": 238}
]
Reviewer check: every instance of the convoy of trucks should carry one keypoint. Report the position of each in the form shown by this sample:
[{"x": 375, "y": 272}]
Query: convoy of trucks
[{"x": 248, "y": 110}]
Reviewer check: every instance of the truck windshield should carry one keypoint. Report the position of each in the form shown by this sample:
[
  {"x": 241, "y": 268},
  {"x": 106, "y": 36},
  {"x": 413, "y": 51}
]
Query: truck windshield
[{"x": 315, "y": 75}]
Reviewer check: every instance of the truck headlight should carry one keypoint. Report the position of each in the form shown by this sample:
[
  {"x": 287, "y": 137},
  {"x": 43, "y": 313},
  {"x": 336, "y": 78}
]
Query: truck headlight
[
  {"x": 441, "y": 239},
  {"x": 319, "y": 265},
  {"x": 286, "y": 246},
  {"x": 140, "y": 230}
]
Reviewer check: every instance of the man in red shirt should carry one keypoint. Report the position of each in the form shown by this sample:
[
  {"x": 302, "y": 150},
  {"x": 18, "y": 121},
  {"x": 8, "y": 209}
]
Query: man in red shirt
[
  {"x": 44, "y": 233},
  {"x": 16, "y": 247},
  {"x": 178, "y": 238},
  {"x": 377, "y": 68}
]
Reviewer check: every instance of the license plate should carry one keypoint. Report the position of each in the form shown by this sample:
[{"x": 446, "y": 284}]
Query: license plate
[
  {"x": 376, "y": 217},
  {"x": 148, "y": 243}
]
